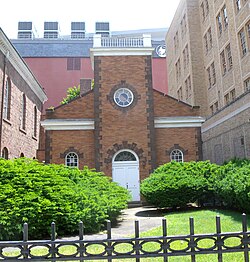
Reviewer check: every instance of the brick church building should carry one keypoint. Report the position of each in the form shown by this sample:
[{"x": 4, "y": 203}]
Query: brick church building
[{"x": 121, "y": 127}]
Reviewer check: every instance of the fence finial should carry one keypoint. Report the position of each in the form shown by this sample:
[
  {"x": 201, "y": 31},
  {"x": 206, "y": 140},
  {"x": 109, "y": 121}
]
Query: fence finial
[{"x": 25, "y": 232}]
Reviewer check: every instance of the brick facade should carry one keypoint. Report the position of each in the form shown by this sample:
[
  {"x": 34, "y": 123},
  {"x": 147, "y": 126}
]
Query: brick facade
[
  {"x": 116, "y": 128},
  {"x": 17, "y": 138},
  {"x": 217, "y": 36}
]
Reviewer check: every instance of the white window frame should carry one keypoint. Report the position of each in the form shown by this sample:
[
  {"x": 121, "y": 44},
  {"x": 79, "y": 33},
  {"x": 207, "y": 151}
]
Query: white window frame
[
  {"x": 72, "y": 159},
  {"x": 5, "y": 153},
  {"x": 128, "y": 93},
  {"x": 177, "y": 155},
  {"x": 6, "y": 100}
]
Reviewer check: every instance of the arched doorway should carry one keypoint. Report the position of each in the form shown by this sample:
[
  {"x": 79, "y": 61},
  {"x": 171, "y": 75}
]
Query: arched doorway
[{"x": 125, "y": 171}]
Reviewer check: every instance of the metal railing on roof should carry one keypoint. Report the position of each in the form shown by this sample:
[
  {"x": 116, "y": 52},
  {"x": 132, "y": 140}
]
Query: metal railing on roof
[{"x": 117, "y": 42}]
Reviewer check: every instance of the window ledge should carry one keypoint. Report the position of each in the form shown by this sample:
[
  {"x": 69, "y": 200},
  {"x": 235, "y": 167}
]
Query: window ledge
[
  {"x": 34, "y": 137},
  {"x": 22, "y": 130},
  {"x": 7, "y": 121},
  {"x": 244, "y": 55}
]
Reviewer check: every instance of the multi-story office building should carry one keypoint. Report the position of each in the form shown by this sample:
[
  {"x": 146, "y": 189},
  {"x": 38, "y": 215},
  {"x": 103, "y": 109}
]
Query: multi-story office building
[{"x": 208, "y": 63}]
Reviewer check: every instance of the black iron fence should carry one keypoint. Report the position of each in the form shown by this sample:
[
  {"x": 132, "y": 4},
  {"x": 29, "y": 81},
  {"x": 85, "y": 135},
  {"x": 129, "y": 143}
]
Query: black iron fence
[{"x": 135, "y": 248}]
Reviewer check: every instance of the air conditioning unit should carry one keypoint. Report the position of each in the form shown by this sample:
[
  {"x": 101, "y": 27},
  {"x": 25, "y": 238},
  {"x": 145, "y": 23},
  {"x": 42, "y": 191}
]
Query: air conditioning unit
[
  {"x": 51, "y": 30},
  {"x": 25, "y": 30},
  {"x": 102, "y": 28},
  {"x": 77, "y": 30}
]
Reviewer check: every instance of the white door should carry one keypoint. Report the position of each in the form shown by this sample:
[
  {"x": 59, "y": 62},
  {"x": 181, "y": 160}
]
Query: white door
[{"x": 126, "y": 174}]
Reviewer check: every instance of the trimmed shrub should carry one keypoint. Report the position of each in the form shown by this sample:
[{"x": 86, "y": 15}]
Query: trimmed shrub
[
  {"x": 39, "y": 194},
  {"x": 233, "y": 184},
  {"x": 176, "y": 184}
]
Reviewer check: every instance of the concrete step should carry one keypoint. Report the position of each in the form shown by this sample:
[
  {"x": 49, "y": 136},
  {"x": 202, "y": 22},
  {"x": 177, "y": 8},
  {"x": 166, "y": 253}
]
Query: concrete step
[{"x": 134, "y": 204}]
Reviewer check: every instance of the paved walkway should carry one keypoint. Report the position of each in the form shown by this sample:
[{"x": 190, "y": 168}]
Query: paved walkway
[{"x": 148, "y": 218}]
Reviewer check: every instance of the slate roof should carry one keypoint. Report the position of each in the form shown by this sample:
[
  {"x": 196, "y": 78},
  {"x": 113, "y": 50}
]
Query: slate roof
[
  {"x": 53, "y": 48},
  {"x": 59, "y": 47}
]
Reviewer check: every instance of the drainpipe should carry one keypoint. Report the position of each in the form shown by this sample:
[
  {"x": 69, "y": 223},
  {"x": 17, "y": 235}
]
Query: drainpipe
[{"x": 2, "y": 100}]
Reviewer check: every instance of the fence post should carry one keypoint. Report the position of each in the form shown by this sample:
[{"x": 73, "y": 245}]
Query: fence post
[
  {"x": 25, "y": 251},
  {"x": 164, "y": 242},
  {"x": 53, "y": 238},
  {"x": 245, "y": 238},
  {"x": 81, "y": 245},
  {"x": 219, "y": 241},
  {"x": 137, "y": 243},
  {"x": 191, "y": 242},
  {"x": 109, "y": 241}
]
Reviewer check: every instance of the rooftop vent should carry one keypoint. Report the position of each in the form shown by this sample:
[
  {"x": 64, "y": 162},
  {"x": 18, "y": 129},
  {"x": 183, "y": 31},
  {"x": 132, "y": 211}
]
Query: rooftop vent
[
  {"x": 102, "y": 28},
  {"x": 51, "y": 30},
  {"x": 25, "y": 30},
  {"x": 78, "y": 30}
]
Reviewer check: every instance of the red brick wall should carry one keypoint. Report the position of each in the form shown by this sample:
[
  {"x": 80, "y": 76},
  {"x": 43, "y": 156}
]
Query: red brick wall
[
  {"x": 123, "y": 129},
  {"x": 82, "y": 107},
  {"x": 15, "y": 139},
  {"x": 167, "y": 106},
  {"x": 80, "y": 141},
  {"x": 78, "y": 108},
  {"x": 185, "y": 138},
  {"x": 53, "y": 75}
]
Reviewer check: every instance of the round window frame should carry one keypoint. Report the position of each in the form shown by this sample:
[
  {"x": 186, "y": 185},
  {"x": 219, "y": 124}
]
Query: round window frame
[
  {"x": 76, "y": 158},
  {"x": 174, "y": 152},
  {"x": 119, "y": 90}
]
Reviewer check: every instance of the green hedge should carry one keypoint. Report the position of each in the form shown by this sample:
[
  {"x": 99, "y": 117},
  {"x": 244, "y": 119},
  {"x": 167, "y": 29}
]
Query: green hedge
[
  {"x": 177, "y": 184},
  {"x": 39, "y": 194},
  {"x": 233, "y": 184}
]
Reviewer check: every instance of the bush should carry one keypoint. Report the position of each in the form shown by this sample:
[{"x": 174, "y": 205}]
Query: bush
[
  {"x": 39, "y": 194},
  {"x": 233, "y": 184},
  {"x": 177, "y": 184}
]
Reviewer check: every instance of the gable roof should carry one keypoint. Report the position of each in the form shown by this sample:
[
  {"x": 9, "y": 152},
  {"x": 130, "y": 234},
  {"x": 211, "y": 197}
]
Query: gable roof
[
  {"x": 20, "y": 66},
  {"x": 60, "y": 47}
]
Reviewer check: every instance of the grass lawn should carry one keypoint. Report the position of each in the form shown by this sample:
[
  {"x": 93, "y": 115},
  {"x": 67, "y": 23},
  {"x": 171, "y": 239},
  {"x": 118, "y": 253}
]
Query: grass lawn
[{"x": 178, "y": 224}]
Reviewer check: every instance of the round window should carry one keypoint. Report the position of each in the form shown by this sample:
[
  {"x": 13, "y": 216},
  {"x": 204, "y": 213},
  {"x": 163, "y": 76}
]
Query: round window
[{"x": 123, "y": 97}]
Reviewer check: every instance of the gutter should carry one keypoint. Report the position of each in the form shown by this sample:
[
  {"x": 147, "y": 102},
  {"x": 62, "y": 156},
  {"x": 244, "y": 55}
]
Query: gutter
[{"x": 2, "y": 99}]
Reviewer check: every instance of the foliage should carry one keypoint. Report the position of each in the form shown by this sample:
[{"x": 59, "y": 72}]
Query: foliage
[
  {"x": 39, "y": 194},
  {"x": 176, "y": 184},
  {"x": 72, "y": 93},
  {"x": 233, "y": 184}
]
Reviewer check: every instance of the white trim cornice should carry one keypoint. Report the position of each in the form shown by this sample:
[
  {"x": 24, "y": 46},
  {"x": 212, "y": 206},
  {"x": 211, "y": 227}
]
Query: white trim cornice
[
  {"x": 89, "y": 124},
  {"x": 114, "y": 51},
  {"x": 21, "y": 67},
  {"x": 178, "y": 121},
  {"x": 124, "y": 51},
  {"x": 68, "y": 124}
]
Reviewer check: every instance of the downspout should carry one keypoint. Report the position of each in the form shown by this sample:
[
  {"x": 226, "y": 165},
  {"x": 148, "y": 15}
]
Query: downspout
[{"x": 2, "y": 99}]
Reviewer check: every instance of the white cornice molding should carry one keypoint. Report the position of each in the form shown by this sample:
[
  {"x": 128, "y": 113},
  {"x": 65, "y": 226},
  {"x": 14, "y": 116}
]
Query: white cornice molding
[
  {"x": 122, "y": 51},
  {"x": 89, "y": 124},
  {"x": 21, "y": 67},
  {"x": 179, "y": 121},
  {"x": 68, "y": 124}
]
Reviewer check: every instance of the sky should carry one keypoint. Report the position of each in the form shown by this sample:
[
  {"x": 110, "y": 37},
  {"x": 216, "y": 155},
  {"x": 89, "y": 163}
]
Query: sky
[{"x": 121, "y": 15}]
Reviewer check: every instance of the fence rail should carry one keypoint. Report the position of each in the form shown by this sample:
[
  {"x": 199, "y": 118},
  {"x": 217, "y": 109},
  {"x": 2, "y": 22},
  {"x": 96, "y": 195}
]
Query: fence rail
[{"x": 136, "y": 247}]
